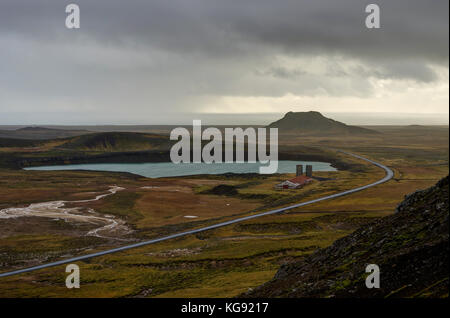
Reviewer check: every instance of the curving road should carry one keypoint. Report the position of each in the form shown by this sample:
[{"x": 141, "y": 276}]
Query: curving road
[{"x": 388, "y": 176}]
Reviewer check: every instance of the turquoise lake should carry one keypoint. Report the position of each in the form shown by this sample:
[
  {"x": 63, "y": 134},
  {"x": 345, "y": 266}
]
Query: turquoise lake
[{"x": 169, "y": 169}]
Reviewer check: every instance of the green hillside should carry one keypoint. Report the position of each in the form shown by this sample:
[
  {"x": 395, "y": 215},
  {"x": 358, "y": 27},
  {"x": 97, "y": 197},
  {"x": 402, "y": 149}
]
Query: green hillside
[{"x": 116, "y": 141}]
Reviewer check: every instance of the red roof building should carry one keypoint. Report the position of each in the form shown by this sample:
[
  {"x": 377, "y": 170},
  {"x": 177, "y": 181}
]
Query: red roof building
[
  {"x": 301, "y": 180},
  {"x": 294, "y": 183}
]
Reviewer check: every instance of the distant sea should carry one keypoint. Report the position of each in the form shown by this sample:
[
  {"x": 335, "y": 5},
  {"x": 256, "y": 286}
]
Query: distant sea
[{"x": 105, "y": 121}]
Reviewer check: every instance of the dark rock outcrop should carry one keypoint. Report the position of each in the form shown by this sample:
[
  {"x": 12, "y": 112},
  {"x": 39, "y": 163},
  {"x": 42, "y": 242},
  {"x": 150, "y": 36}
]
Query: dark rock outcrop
[
  {"x": 411, "y": 248},
  {"x": 223, "y": 189}
]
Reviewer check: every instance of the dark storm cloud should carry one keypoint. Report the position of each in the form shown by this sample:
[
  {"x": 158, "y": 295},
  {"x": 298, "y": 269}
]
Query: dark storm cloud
[
  {"x": 410, "y": 28},
  {"x": 283, "y": 72},
  {"x": 159, "y": 54}
]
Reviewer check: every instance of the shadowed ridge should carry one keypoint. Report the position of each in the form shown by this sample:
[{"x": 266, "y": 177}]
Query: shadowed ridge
[{"x": 116, "y": 141}]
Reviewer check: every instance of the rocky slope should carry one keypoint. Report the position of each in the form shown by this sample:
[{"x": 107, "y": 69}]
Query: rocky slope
[{"x": 411, "y": 248}]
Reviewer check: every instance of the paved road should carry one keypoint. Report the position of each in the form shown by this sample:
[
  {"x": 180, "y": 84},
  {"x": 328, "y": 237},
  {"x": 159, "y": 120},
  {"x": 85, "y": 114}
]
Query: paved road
[{"x": 388, "y": 176}]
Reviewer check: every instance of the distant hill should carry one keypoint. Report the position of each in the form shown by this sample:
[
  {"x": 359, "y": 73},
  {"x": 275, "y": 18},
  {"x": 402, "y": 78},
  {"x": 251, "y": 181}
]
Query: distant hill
[
  {"x": 116, "y": 141},
  {"x": 422, "y": 128},
  {"x": 315, "y": 123},
  {"x": 410, "y": 247},
  {"x": 40, "y": 133},
  {"x": 11, "y": 142}
]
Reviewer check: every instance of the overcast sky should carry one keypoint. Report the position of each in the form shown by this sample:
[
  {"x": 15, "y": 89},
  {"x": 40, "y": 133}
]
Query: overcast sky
[{"x": 150, "y": 62}]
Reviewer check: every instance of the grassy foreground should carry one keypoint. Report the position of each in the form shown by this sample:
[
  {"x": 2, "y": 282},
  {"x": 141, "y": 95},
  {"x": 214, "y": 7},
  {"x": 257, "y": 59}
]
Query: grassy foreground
[{"x": 221, "y": 263}]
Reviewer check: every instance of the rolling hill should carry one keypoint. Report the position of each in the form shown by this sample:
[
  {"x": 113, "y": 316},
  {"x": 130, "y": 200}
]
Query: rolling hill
[
  {"x": 411, "y": 248},
  {"x": 40, "y": 133},
  {"x": 116, "y": 141},
  {"x": 313, "y": 122},
  {"x": 13, "y": 142}
]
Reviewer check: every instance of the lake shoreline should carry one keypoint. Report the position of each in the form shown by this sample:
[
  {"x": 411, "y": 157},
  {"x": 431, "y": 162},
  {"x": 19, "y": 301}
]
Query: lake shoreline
[
  {"x": 168, "y": 169},
  {"x": 19, "y": 161}
]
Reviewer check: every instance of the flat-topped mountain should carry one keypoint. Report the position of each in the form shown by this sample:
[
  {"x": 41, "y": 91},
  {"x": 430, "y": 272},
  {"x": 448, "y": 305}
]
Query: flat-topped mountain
[{"x": 315, "y": 123}]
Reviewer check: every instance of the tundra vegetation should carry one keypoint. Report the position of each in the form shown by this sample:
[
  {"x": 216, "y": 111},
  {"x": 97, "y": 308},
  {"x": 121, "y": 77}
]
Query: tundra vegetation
[{"x": 223, "y": 262}]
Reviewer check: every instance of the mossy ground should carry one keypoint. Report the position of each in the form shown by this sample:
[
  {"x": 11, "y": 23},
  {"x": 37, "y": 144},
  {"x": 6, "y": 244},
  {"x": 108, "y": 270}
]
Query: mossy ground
[{"x": 220, "y": 263}]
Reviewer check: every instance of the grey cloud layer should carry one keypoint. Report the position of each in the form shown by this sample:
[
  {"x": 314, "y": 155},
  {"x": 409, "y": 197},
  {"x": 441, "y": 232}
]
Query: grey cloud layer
[
  {"x": 162, "y": 54},
  {"x": 410, "y": 28}
]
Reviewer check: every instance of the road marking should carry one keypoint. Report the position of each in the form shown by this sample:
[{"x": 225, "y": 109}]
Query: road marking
[{"x": 387, "y": 177}]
